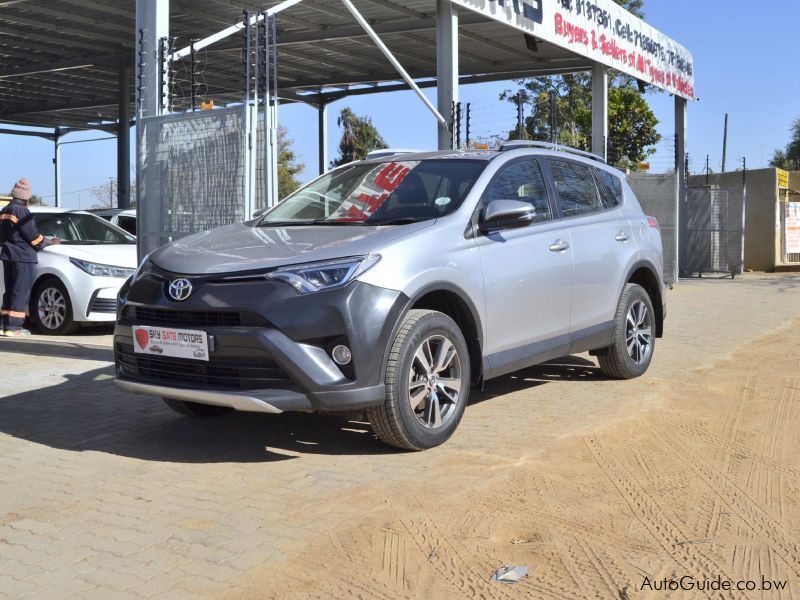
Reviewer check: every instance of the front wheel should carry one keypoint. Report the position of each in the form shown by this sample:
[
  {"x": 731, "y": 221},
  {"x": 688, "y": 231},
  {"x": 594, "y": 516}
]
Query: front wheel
[
  {"x": 51, "y": 308},
  {"x": 634, "y": 338},
  {"x": 427, "y": 383}
]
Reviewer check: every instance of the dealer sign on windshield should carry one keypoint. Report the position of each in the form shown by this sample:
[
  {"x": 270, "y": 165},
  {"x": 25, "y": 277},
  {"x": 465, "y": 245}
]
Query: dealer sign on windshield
[{"x": 165, "y": 341}]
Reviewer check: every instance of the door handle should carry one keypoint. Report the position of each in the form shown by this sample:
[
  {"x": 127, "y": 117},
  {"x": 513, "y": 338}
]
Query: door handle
[
  {"x": 622, "y": 237},
  {"x": 559, "y": 246}
]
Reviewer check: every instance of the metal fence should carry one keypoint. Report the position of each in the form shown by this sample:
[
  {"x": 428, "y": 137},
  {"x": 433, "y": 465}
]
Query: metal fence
[
  {"x": 714, "y": 238},
  {"x": 191, "y": 174},
  {"x": 658, "y": 195}
]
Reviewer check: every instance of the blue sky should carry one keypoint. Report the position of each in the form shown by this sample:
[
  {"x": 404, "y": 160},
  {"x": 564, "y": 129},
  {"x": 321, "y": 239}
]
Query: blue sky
[{"x": 743, "y": 55}]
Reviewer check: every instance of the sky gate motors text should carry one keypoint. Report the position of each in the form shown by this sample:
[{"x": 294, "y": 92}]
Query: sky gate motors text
[{"x": 182, "y": 337}]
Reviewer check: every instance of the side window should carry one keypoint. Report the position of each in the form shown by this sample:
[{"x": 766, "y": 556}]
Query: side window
[
  {"x": 128, "y": 224},
  {"x": 610, "y": 188},
  {"x": 577, "y": 193},
  {"x": 521, "y": 180}
]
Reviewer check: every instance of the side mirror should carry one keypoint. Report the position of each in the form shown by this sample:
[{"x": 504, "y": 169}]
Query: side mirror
[
  {"x": 260, "y": 212},
  {"x": 506, "y": 214}
]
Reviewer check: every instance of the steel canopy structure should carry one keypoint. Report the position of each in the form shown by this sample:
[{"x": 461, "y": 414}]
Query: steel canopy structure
[
  {"x": 72, "y": 63},
  {"x": 61, "y": 58}
]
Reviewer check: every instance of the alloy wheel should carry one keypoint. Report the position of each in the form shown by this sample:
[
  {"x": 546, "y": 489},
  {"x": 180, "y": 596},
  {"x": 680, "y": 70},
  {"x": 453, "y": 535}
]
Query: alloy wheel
[
  {"x": 434, "y": 381},
  {"x": 52, "y": 308},
  {"x": 638, "y": 332}
]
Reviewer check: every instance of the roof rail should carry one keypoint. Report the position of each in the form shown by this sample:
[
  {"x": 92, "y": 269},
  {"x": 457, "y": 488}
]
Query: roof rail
[
  {"x": 386, "y": 152},
  {"x": 515, "y": 144}
]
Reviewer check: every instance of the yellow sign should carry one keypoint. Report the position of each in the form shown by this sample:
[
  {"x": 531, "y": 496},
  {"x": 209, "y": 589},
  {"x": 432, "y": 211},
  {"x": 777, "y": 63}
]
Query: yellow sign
[
  {"x": 207, "y": 105},
  {"x": 643, "y": 166},
  {"x": 783, "y": 179}
]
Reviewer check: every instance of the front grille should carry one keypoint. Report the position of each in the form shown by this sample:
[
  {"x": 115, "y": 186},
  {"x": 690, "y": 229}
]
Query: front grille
[
  {"x": 254, "y": 371},
  {"x": 104, "y": 305},
  {"x": 139, "y": 315}
]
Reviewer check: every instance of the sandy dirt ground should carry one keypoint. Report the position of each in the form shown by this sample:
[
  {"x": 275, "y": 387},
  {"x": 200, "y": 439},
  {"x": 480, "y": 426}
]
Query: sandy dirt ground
[
  {"x": 705, "y": 488},
  {"x": 598, "y": 486}
]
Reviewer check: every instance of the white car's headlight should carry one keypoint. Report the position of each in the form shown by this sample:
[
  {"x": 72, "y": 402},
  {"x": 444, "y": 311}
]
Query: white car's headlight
[
  {"x": 324, "y": 275},
  {"x": 99, "y": 270}
]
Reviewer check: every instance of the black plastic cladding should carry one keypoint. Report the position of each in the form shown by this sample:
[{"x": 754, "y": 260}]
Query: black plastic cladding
[{"x": 362, "y": 314}]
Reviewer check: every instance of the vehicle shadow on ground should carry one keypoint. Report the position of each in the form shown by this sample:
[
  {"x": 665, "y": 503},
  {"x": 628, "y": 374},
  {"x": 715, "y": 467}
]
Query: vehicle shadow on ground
[{"x": 86, "y": 412}]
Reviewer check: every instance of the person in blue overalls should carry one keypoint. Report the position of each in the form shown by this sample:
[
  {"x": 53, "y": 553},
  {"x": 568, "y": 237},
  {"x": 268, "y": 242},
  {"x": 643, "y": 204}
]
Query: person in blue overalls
[{"x": 20, "y": 241}]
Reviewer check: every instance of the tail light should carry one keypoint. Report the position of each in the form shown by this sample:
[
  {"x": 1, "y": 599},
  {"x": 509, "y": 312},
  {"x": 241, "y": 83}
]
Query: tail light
[{"x": 653, "y": 222}]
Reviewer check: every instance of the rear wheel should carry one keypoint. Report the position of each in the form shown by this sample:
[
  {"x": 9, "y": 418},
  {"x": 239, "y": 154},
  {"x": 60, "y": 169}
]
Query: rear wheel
[
  {"x": 51, "y": 308},
  {"x": 427, "y": 383},
  {"x": 634, "y": 338},
  {"x": 195, "y": 409}
]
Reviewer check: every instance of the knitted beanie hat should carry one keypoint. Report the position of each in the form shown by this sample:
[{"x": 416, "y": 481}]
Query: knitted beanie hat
[{"x": 22, "y": 190}]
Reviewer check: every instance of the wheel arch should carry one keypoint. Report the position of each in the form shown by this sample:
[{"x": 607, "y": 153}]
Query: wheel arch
[
  {"x": 644, "y": 274},
  {"x": 456, "y": 304}
]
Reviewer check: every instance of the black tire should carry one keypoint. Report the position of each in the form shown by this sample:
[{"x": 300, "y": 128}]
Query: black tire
[
  {"x": 616, "y": 360},
  {"x": 65, "y": 324},
  {"x": 395, "y": 422},
  {"x": 195, "y": 409}
]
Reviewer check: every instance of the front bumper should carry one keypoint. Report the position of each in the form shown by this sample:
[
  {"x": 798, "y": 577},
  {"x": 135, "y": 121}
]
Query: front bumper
[
  {"x": 93, "y": 298},
  {"x": 270, "y": 346}
]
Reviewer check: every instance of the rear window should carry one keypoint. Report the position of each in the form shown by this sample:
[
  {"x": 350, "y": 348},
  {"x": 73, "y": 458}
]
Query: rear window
[
  {"x": 610, "y": 188},
  {"x": 577, "y": 193}
]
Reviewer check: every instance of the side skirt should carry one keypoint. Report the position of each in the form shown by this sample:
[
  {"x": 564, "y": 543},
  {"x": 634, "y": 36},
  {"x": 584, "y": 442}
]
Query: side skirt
[{"x": 592, "y": 338}]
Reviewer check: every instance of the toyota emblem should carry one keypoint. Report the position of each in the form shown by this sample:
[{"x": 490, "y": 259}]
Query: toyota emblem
[{"x": 180, "y": 289}]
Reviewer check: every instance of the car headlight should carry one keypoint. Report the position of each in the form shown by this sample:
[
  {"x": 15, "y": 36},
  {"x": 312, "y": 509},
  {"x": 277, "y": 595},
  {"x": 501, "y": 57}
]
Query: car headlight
[
  {"x": 324, "y": 275},
  {"x": 143, "y": 269},
  {"x": 98, "y": 270}
]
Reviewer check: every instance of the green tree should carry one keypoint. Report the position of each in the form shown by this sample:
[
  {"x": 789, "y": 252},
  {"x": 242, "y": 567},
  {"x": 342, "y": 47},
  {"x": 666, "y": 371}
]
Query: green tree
[
  {"x": 562, "y": 112},
  {"x": 789, "y": 157},
  {"x": 288, "y": 167},
  {"x": 359, "y": 137},
  {"x": 632, "y": 132},
  {"x": 635, "y": 7}
]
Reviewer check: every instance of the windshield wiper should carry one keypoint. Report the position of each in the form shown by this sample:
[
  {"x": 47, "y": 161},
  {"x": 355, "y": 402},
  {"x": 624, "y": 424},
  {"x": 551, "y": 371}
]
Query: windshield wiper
[
  {"x": 306, "y": 223},
  {"x": 399, "y": 221}
]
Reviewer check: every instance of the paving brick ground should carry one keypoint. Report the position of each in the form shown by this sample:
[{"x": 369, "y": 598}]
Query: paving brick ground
[{"x": 108, "y": 495}]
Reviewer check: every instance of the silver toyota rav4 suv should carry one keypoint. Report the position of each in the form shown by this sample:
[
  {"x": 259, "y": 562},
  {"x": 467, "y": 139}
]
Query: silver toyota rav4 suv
[{"x": 393, "y": 285}]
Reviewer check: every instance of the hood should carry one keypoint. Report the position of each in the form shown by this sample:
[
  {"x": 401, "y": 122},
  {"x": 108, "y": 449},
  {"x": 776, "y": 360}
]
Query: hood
[
  {"x": 243, "y": 247},
  {"x": 116, "y": 255}
]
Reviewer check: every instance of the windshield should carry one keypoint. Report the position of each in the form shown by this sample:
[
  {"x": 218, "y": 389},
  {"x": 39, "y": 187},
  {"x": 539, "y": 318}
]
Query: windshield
[
  {"x": 77, "y": 228},
  {"x": 379, "y": 193}
]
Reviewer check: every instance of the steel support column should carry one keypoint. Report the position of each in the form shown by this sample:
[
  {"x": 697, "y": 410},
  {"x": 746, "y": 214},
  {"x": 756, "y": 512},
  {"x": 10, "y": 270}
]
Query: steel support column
[
  {"x": 680, "y": 171},
  {"x": 599, "y": 110},
  {"x": 124, "y": 138},
  {"x": 152, "y": 24},
  {"x": 152, "y": 19},
  {"x": 446, "y": 69},
  {"x": 57, "y": 165},
  {"x": 322, "y": 128}
]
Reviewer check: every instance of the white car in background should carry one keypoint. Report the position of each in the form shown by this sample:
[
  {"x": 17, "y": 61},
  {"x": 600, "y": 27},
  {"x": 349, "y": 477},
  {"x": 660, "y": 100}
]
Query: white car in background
[
  {"x": 121, "y": 217},
  {"x": 77, "y": 281}
]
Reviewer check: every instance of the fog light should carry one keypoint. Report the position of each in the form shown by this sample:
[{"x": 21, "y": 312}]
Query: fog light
[{"x": 342, "y": 355}]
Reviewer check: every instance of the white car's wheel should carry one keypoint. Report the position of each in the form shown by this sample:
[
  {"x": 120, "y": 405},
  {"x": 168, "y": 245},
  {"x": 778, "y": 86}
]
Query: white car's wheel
[{"x": 51, "y": 308}]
